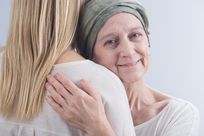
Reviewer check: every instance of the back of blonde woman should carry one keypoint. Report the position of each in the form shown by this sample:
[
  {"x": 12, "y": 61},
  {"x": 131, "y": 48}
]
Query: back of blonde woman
[
  {"x": 39, "y": 32},
  {"x": 38, "y": 44}
]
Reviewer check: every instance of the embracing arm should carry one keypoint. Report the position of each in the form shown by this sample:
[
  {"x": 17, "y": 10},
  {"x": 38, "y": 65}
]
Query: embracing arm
[{"x": 83, "y": 110}]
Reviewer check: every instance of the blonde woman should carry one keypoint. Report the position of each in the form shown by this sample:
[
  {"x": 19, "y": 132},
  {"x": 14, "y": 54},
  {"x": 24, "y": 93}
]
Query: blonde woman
[{"x": 40, "y": 38}]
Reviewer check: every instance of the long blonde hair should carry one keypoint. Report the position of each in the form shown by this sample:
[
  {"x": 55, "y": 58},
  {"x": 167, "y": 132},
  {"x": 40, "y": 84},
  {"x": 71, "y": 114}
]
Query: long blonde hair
[{"x": 39, "y": 31}]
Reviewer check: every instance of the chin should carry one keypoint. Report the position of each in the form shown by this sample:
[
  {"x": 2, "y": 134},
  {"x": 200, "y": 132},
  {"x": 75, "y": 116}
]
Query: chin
[{"x": 131, "y": 79}]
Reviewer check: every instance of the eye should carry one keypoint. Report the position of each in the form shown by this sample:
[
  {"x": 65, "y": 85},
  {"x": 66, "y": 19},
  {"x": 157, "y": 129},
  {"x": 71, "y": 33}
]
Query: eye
[
  {"x": 111, "y": 42},
  {"x": 135, "y": 35}
]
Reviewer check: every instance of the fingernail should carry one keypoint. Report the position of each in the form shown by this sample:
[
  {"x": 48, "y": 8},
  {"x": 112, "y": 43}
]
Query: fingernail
[
  {"x": 47, "y": 84},
  {"x": 56, "y": 75},
  {"x": 48, "y": 77},
  {"x": 47, "y": 97},
  {"x": 83, "y": 80}
]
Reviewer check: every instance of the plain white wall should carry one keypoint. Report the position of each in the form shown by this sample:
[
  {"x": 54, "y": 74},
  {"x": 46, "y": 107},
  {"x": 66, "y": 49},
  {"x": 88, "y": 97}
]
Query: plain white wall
[
  {"x": 177, "y": 47},
  {"x": 4, "y": 20}
]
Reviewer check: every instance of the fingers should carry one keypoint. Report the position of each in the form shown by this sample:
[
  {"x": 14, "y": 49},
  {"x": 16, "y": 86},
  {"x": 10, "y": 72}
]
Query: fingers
[
  {"x": 66, "y": 88},
  {"x": 57, "y": 87},
  {"x": 89, "y": 88},
  {"x": 54, "y": 105},
  {"x": 68, "y": 84},
  {"x": 57, "y": 97}
]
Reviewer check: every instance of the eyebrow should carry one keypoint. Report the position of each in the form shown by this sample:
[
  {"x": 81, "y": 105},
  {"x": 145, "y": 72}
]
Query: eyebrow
[
  {"x": 136, "y": 28},
  {"x": 108, "y": 35},
  {"x": 112, "y": 34}
]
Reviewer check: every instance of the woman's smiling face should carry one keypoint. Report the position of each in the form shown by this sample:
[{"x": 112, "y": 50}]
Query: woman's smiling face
[{"x": 122, "y": 46}]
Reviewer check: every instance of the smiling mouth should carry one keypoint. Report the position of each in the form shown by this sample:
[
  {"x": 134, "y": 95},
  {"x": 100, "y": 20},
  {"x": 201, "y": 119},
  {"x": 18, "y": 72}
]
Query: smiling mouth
[{"x": 129, "y": 64}]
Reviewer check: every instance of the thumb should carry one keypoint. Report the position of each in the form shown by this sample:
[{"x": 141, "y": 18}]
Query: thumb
[{"x": 89, "y": 88}]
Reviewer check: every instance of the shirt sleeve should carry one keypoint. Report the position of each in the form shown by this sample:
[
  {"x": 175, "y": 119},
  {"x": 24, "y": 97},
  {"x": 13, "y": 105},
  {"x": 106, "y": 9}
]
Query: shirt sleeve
[{"x": 184, "y": 122}]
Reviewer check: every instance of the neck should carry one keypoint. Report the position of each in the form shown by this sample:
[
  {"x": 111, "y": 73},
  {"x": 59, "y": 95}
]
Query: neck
[
  {"x": 69, "y": 55},
  {"x": 139, "y": 95}
]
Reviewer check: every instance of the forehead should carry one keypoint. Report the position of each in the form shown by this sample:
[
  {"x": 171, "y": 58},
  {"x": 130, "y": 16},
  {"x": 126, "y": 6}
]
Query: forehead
[{"x": 120, "y": 21}]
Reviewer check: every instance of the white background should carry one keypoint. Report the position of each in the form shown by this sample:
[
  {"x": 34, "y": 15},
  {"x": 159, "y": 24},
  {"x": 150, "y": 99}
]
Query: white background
[{"x": 177, "y": 48}]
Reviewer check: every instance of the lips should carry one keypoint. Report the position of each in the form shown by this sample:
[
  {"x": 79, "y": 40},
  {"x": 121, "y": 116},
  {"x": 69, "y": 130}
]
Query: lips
[{"x": 132, "y": 63}]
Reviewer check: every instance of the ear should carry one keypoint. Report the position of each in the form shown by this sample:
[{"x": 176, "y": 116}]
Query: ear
[{"x": 149, "y": 51}]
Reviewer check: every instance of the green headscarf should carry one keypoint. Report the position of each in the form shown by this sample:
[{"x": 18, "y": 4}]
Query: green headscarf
[{"x": 95, "y": 13}]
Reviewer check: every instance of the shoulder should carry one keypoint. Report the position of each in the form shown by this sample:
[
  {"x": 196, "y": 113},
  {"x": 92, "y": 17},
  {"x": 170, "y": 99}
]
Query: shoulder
[
  {"x": 175, "y": 105},
  {"x": 105, "y": 79},
  {"x": 86, "y": 68},
  {"x": 181, "y": 106},
  {"x": 182, "y": 110},
  {"x": 182, "y": 117},
  {"x": 107, "y": 74},
  {"x": 83, "y": 66},
  {"x": 98, "y": 75}
]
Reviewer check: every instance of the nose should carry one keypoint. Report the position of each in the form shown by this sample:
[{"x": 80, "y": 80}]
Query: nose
[{"x": 127, "y": 49}]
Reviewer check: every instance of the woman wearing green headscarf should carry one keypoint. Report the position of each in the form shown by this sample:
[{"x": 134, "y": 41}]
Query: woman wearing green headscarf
[{"x": 115, "y": 34}]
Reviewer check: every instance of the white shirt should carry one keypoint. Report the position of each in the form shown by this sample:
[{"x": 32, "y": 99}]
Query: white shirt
[
  {"x": 178, "y": 118},
  {"x": 50, "y": 123}
]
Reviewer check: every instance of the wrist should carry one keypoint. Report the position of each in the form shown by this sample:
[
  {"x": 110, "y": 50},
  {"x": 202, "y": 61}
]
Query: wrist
[{"x": 103, "y": 128}]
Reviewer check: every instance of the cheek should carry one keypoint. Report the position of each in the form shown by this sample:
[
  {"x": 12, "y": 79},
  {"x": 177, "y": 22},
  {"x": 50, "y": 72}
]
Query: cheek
[
  {"x": 96, "y": 58},
  {"x": 100, "y": 56},
  {"x": 144, "y": 48},
  {"x": 105, "y": 58},
  {"x": 144, "y": 52}
]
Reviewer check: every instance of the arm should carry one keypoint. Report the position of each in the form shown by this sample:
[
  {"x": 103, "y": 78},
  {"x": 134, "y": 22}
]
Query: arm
[{"x": 82, "y": 110}]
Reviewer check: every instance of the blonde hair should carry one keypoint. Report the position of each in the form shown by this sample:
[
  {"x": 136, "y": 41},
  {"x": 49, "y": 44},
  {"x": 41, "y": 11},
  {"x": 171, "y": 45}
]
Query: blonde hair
[{"x": 39, "y": 31}]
